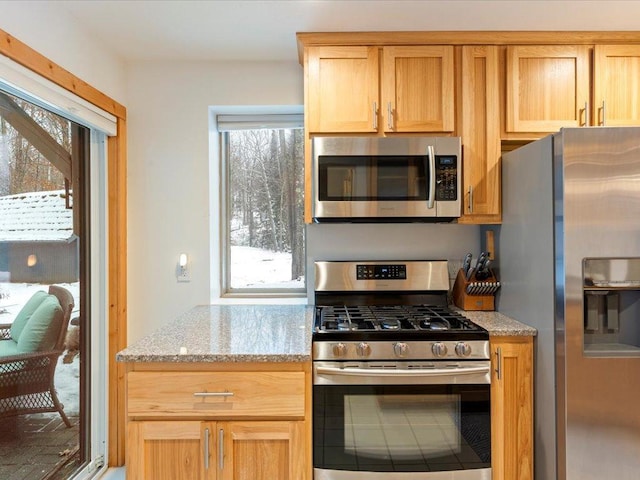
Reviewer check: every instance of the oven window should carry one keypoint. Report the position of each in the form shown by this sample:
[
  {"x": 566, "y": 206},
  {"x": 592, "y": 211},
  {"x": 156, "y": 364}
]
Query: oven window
[{"x": 402, "y": 428}]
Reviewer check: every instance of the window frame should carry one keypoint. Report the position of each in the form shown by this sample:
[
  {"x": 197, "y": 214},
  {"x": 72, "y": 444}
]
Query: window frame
[{"x": 220, "y": 245}]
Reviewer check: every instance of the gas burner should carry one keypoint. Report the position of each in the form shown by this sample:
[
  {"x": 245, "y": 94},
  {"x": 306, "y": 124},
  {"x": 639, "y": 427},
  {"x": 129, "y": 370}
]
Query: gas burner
[
  {"x": 390, "y": 324},
  {"x": 342, "y": 326},
  {"x": 434, "y": 324}
]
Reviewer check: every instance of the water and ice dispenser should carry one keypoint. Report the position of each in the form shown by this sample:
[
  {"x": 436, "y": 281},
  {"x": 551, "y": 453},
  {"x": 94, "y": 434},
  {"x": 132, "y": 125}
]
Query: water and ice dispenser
[{"x": 611, "y": 306}]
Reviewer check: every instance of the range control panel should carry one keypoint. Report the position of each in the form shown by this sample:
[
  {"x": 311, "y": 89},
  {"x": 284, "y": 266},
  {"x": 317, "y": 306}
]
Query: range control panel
[
  {"x": 386, "y": 272},
  {"x": 446, "y": 177}
]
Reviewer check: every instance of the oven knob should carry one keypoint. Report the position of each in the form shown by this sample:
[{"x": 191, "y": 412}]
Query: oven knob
[
  {"x": 339, "y": 349},
  {"x": 363, "y": 349},
  {"x": 401, "y": 349},
  {"x": 439, "y": 349},
  {"x": 463, "y": 349}
]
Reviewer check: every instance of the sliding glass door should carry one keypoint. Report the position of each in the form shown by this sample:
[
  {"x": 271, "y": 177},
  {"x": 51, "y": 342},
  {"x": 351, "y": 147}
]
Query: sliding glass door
[{"x": 52, "y": 244}]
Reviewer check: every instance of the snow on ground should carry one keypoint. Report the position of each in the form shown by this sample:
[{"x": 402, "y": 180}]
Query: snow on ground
[{"x": 251, "y": 266}]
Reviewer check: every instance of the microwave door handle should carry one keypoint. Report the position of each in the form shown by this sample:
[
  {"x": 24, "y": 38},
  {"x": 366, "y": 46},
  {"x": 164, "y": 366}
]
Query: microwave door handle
[{"x": 431, "y": 186}]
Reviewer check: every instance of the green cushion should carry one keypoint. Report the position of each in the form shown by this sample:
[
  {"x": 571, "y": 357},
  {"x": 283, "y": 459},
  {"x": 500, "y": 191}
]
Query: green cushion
[
  {"x": 42, "y": 330},
  {"x": 25, "y": 313},
  {"x": 8, "y": 348}
]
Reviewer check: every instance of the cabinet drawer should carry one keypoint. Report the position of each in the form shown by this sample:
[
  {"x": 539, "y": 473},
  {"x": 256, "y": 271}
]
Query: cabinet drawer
[{"x": 216, "y": 394}]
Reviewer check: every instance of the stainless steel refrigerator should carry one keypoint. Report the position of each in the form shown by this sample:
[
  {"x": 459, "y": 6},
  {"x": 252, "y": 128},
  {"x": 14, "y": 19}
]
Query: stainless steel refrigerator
[{"x": 569, "y": 264}]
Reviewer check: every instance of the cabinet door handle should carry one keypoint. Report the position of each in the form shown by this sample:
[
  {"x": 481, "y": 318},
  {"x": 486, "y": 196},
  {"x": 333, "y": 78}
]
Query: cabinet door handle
[
  {"x": 213, "y": 394},
  {"x": 221, "y": 449},
  {"x": 602, "y": 108},
  {"x": 375, "y": 115},
  {"x": 389, "y": 116},
  {"x": 586, "y": 114},
  {"x": 499, "y": 363},
  {"x": 206, "y": 449},
  {"x": 470, "y": 199}
]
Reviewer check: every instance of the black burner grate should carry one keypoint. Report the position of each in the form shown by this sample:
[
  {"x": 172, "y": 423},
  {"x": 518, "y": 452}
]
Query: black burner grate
[{"x": 392, "y": 318}]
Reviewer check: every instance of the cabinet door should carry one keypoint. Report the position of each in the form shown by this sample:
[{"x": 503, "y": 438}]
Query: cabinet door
[
  {"x": 262, "y": 451},
  {"x": 168, "y": 450},
  {"x": 342, "y": 89},
  {"x": 617, "y": 85},
  {"x": 547, "y": 87},
  {"x": 418, "y": 89},
  {"x": 512, "y": 408},
  {"x": 481, "y": 134}
]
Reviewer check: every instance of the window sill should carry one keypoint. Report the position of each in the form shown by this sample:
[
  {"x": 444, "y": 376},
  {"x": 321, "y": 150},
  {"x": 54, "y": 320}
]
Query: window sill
[{"x": 242, "y": 299}]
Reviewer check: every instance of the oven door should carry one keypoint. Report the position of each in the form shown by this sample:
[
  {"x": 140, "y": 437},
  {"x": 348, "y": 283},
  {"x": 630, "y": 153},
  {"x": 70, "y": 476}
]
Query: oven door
[{"x": 394, "y": 420}]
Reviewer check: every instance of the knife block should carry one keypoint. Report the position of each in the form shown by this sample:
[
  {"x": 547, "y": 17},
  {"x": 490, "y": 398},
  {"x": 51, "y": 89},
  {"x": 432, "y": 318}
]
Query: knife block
[{"x": 468, "y": 301}]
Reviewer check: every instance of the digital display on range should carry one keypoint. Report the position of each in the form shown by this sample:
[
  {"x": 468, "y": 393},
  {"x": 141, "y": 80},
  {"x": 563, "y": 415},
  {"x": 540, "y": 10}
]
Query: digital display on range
[{"x": 386, "y": 272}]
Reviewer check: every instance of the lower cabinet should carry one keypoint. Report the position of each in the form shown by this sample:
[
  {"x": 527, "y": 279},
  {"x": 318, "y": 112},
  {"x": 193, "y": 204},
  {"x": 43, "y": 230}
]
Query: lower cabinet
[
  {"x": 512, "y": 408},
  {"x": 240, "y": 424},
  {"x": 191, "y": 450}
]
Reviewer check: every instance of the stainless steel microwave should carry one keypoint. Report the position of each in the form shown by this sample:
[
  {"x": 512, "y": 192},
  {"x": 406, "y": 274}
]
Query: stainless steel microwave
[{"x": 386, "y": 179}]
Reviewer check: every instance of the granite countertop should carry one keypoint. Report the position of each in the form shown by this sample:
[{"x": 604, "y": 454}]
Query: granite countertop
[
  {"x": 229, "y": 333},
  {"x": 259, "y": 333},
  {"x": 498, "y": 324}
]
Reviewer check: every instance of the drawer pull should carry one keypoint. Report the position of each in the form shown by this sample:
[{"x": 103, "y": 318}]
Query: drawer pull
[{"x": 213, "y": 394}]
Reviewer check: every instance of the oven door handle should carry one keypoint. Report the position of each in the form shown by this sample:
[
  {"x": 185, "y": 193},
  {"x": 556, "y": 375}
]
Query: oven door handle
[{"x": 418, "y": 372}]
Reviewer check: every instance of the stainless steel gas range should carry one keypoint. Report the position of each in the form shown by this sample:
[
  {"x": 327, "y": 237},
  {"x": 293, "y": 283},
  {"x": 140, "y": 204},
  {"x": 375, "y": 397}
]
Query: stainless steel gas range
[{"x": 401, "y": 382}]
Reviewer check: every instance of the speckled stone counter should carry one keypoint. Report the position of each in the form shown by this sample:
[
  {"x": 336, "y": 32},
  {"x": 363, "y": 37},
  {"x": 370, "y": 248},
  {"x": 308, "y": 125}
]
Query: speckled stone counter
[
  {"x": 229, "y": 333},
  {"x": 498, "y": 324}
]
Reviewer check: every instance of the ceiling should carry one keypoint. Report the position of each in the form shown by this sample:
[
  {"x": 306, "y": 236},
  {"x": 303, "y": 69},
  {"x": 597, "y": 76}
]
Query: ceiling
[{"x": 211, "y": 30}]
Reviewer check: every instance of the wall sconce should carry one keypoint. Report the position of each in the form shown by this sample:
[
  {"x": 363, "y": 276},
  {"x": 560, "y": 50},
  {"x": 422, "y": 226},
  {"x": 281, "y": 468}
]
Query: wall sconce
[
  {"x": 184, "y": 275},
  {"x": 32, "y": 260}
]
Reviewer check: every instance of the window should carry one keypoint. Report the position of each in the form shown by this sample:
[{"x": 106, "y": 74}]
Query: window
[{"x": 262, "y": 204}]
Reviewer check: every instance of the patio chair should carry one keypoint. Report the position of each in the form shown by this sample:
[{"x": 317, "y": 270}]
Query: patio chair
[{"x": 29, "y": 351}]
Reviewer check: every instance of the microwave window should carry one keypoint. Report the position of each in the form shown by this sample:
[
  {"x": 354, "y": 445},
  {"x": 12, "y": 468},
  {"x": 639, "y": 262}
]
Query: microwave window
[{"x": 367, "y": 178}]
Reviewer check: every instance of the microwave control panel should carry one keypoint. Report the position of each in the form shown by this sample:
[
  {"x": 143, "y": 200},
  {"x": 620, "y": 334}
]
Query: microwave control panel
[{"x": 446, "y": 177}]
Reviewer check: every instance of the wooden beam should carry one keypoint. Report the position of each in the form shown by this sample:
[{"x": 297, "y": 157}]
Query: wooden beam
[
  {"x": 117, "y": 176},
  {"x": 36, "y": 135}
]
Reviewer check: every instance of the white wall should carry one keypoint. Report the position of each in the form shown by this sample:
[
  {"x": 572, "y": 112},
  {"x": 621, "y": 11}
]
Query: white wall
[
  {"x": 168, "y": 184},
  {"x": 50, "y": 31}
]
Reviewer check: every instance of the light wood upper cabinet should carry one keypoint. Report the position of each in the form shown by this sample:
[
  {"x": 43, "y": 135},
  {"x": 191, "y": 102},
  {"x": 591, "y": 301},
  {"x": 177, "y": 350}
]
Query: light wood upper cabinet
[
  {"x": 512, "y": 408},
  {"x": 616, "y": 85},
  {"x": 418, "y": 89},
  {"x": 547, "y": 87},
  {"x": 350, "y": 91},
  {"x": 342, "y": 89},
  {"x": 480, "y": 130}
]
